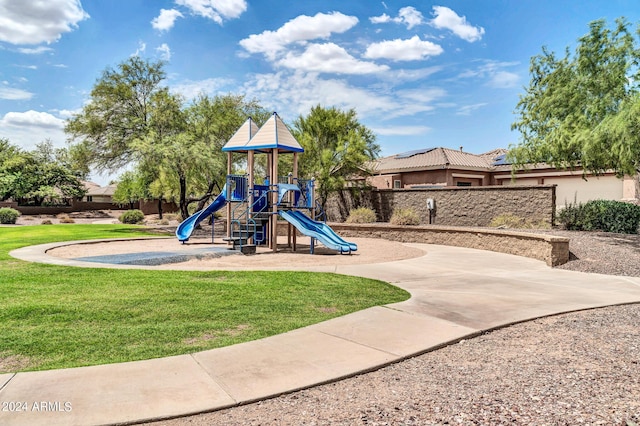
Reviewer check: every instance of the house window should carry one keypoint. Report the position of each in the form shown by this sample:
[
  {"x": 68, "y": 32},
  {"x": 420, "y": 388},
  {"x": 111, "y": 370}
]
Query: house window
[
  {"x": 397, "y": 184},
  {"x": 89, "y": 198},
  {"x": 463, "y": 183}
]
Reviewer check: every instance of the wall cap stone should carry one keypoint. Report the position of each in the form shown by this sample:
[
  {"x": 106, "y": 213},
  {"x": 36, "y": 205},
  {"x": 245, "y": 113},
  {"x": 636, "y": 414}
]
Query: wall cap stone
[{"x": 552, "y": 249}]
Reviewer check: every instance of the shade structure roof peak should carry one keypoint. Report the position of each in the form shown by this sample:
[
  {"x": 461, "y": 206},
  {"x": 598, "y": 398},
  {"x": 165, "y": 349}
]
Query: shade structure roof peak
[{"x": 273, "y": 134}]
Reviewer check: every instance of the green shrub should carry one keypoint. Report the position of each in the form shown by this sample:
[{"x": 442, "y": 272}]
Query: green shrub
[
  {"x": 131, "y": 217},
  {"x": 8, "y": 215},
  {"x": 601, "y": 215},
  {"x": 405, "y": 217},
  {"x": 362, "y": 215}
]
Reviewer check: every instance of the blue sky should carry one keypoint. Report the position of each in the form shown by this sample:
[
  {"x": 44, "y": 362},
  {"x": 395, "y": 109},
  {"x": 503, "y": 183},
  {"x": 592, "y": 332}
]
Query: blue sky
[{"x": 418, "y": 73}]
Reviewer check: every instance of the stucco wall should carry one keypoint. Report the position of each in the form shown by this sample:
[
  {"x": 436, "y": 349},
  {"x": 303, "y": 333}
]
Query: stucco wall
[{"x": 464, "y": 206}]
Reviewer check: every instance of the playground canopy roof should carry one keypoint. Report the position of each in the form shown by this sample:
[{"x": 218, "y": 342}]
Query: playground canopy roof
[
  {"x": 242, "y": 136},
  {"x": 273, "y": 134}
]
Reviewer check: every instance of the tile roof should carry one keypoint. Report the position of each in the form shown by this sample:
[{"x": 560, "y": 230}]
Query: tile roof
[
  {"x": 431, "y": 158},
  {"x": 108, "y": 190}
]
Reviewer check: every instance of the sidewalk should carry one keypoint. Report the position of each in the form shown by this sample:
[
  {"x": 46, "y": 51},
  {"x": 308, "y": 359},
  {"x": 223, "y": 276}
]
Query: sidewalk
[{"x": 456, "y": 293}]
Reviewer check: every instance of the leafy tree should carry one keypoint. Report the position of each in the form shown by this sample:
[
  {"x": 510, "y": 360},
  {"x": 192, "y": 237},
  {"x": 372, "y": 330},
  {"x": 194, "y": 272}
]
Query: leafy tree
[
  {"x": 132, "y": 186},
  {"x": 132, "y": 120},
  {"x": 118, "y": 114},
  {"x": 214, "y": 121},
  {"x": 584, "y": 109},
  {"x": 192, "y": 163},
  {"x": 335, "y": 146},
  {"x": 36, "y": 176}
]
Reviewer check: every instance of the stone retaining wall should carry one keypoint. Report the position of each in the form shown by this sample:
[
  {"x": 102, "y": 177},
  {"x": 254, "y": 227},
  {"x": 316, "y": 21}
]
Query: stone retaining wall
[
  {"x": 454, "y": 206},
  {"x": 551, "y": 249}
]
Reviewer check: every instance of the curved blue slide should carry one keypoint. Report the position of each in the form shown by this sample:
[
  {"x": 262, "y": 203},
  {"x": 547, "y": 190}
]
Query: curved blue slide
[
  {"x": 318, "y": 230},
  {"x": 189, "y": 224}
]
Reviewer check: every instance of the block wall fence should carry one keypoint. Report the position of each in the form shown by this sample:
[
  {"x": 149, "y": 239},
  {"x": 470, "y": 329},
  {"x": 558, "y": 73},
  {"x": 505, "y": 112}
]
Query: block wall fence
[{"x": 459, "y": 206}]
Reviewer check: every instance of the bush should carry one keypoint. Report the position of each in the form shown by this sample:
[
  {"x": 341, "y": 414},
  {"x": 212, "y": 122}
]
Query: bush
[
  {"x": 64, "y": 218},
  {"x": 132, "y": 217},
  {"x": 362, "y": 215},
  {"x": 512, "y": 221},
  {"x": 405, "y": 217},
  {"x": 601, "y": 215},
  {"x": 46, "y": 222},
  {"x": 8, "y": 216}
]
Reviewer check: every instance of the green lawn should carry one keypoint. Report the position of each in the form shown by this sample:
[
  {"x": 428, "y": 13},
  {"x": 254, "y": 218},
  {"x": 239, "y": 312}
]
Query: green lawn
[{"x": 56, "y": 317}]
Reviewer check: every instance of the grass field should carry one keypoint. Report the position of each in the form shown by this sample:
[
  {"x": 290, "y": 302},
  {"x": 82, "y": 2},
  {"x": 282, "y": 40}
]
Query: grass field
[{"x": 57, "y": 317}]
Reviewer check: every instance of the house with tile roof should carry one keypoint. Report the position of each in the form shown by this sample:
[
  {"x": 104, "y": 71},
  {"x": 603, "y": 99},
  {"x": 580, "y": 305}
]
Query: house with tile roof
[
  {"x": 436, "y": 167},
  {"x": 99, "y": 194},
  {"x": 445, "y": 167}
]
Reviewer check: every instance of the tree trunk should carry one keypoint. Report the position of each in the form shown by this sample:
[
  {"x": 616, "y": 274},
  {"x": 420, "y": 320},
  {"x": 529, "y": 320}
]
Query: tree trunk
[
  {"x": 206, "y": 198},
  {"x": 160, "y": 208},
  {"x": 183, "y": 198}
]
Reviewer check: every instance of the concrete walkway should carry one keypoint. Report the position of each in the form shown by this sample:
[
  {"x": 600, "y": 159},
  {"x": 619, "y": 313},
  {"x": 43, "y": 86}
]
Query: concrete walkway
[{"x": 456, "y": 293}]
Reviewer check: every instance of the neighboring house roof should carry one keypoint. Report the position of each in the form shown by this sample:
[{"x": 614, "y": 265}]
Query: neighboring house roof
[
  {"x": 431, "y": 159},
  {"x": 89, "y": 185},
  {"x": 105, "y": 191}
]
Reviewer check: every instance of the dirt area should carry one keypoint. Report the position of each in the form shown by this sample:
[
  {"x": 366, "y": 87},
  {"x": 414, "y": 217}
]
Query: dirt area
[
  {"x": 93, "y": 216},
  {"x": 369, "y": 251}
]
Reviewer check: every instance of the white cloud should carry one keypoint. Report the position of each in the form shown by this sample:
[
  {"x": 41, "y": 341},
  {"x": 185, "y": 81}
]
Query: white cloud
[
  {"x": 405, "y": 75},
  {"x": 382, "y": 19},
  {"x": 35, "y": 22},
  {"x": 401, "y": 130},
  {"x": 295, "y": 93},
  {"x": 27, "y": 129},
  {"x": 142, "y": 46},
  {"x": 191, "y": 89},
  {"x": 412, "y": 49},
  {"x": 299, "y": 29},
  {"x": 67, "y": 113},
  {"x": 329, "y": 58},
  {"x": 468, "y": 109},
  {"x": 32, "y": 118},
  {"x": 445, "y": 18},
  {"x": 216, "y": 10},
  {"x": 504, "y": 80},
  {"x": 164, "y": 51},
  {"x": 35, "y": 51},
  {"x": 12, "y": 94},
  {"x": 408, "y": 16},
  {"x": 495, "y": 74},
  {"x": 166, "y": 19}
]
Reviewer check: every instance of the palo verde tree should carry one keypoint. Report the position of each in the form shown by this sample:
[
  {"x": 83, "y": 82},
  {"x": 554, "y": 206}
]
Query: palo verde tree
[
  {"x": 212, "y": 121},
  {"x": 336, "y": 146},
  {"x": 118, "y": 114},
  {"x": 584, "y": 109}
]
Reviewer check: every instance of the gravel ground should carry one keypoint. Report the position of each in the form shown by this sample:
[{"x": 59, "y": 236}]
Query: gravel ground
[{"x": 571, "y": 369}]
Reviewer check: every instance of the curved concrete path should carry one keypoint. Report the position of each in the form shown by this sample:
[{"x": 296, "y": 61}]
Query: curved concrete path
[{"x": 456, "y": 293}]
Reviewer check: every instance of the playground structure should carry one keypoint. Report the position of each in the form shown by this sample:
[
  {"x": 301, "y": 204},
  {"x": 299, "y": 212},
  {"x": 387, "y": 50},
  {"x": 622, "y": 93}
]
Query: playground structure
[{"x": 252, "y": 208}]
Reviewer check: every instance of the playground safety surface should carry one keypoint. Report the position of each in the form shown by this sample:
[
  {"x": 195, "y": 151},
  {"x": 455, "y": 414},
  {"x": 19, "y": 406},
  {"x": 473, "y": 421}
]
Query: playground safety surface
[{"x": 457, "y": 293}]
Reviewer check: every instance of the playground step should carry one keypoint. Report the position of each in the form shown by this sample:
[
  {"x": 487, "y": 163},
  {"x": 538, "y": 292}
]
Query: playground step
[{"x": 248, "y": 249}]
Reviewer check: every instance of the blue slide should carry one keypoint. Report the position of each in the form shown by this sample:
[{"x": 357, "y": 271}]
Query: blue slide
[
  {"x": 318, "y": 230},
  {"x": 189, "y": 224}
]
